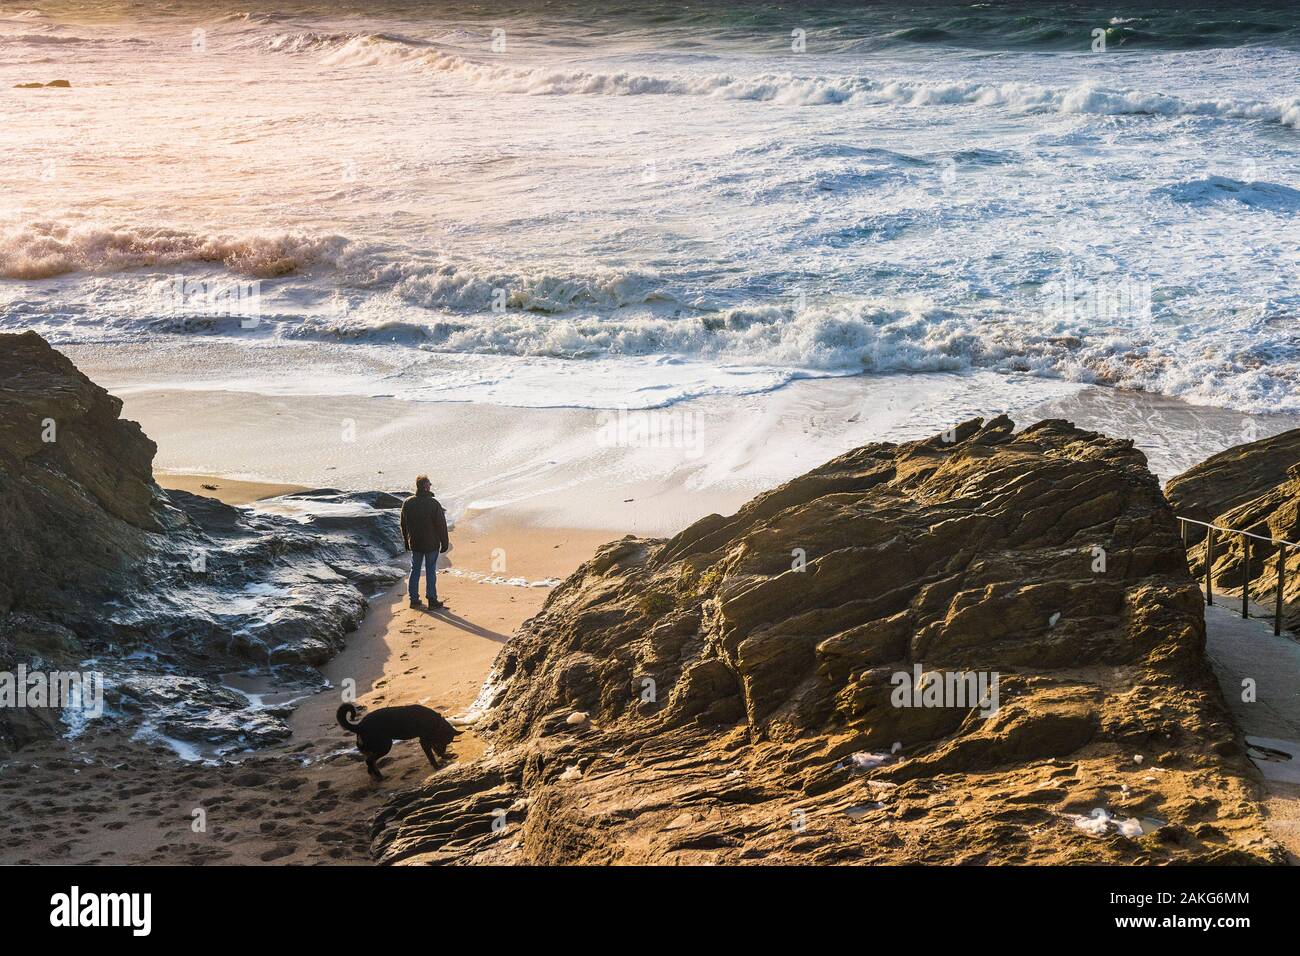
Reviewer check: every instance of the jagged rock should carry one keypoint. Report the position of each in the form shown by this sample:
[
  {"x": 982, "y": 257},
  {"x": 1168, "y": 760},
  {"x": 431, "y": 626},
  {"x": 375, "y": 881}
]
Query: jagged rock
[
  {"x": 1232, "y": 478},
  {"x": 1255, "y": 488},
  {"x": 733, "y": 672},
  {"x": 154, "y": 587},
  {"x": 77, "y": 480}
]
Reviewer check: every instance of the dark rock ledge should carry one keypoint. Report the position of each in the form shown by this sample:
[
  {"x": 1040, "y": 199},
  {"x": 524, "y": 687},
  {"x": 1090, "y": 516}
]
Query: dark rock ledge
[{"x": 162, "y": 593}]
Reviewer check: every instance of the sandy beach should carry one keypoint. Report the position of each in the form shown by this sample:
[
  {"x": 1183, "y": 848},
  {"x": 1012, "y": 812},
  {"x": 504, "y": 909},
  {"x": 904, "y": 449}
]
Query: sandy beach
[{"x": 308, "y": 800}]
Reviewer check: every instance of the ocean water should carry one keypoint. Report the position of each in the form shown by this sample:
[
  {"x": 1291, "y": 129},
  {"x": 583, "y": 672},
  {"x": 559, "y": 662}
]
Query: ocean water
[{"x": 638, "y": 204}]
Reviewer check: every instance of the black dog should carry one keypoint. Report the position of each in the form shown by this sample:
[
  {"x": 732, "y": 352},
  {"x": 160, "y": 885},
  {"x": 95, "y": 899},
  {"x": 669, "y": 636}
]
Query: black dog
[{"x": 378, "y": 729}]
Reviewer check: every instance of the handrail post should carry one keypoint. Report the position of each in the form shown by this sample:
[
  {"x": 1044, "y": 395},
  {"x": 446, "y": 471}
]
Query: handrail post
[
  {"x": 1245, "y": 577},
  {"x": 1281, "y": 580},
  {"x": 1209, "y": 562},
  {"x": 1182, "y": 530}
]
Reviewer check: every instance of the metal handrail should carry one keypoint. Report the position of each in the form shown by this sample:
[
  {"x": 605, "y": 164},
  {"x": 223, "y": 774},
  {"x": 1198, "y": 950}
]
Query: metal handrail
[
  {"x": 1282, "y": 545},
  {"x": 1257, "y": 537}
]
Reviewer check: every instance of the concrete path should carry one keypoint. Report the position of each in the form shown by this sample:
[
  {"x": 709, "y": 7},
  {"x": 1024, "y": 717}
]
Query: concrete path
[{"x": 1243, "y": 650}]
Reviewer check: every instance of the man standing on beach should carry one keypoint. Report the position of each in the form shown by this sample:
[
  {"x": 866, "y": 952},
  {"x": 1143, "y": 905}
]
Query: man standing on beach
[{"x": 424, "y": 534}]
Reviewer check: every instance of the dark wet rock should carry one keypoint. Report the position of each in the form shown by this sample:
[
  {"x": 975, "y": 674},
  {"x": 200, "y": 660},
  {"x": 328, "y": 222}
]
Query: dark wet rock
[
  {"x": 98, "y": 565},
  {"x": 1255, "y": 488},
  {"x": 195, "y": 711},
  {"x": 78, "y": 486},
  {"x": 282, "y": 583},
  {"x": 746, "y": 680},
  {"x": 53, "y": 84}
]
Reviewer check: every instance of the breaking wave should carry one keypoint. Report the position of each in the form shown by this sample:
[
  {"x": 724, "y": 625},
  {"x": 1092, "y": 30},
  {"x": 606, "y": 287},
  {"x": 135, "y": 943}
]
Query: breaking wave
[
  {"x": 879, "y": 336},
  {"x": 456, "y": 288},
  {"x": 387, "y": 50},
  {"x": 42, "y": 250}
]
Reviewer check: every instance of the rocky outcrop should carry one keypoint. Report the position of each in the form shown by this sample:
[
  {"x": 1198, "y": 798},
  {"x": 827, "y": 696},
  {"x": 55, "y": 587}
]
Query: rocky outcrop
[
  {"x": 160, "y": 593},
  {"x": 76, "y": 508},
  {"x": 70, "y": 468},
  {"x": 1254, "y": 488},
  {"x": 982, "y": 647}
]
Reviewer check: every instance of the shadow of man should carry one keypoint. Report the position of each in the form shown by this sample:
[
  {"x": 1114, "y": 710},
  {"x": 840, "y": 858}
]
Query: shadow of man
[{"x": 469, "y": 627}]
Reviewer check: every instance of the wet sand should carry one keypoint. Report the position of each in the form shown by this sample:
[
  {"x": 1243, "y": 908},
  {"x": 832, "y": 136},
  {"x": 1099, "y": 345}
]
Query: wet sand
[
  {"x": 230, "y": 491},
  {"x": 248, "y": 413},
  {"x": 108, "y": 799}
]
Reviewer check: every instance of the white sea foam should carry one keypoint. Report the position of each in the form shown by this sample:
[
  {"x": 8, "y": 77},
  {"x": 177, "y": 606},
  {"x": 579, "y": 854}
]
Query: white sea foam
[
  {"x": 385, "y": 50},
  {"x": 499, "y": 580},
  {"x": 634, "y": 317},
  {"x": 705, "y": 237},
  {"x": 1100, "y": 822}
]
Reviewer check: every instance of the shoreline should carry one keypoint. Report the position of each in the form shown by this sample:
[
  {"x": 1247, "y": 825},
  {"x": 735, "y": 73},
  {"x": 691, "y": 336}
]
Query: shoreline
[{"x": 649, "y": 471}]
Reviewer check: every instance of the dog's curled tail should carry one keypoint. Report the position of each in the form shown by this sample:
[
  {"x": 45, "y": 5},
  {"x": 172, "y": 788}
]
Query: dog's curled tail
[{"x": 345, "y": 713}]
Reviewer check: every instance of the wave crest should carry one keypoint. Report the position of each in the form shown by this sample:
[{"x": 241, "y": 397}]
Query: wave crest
[
  {"x": 42, "y": 250},
  {"x": 454, "y": 288},
  {"x": 387, "y": 50}
]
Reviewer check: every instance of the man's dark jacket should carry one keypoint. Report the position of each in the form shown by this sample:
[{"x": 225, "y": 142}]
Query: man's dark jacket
[{"x": 424, "y": 523}]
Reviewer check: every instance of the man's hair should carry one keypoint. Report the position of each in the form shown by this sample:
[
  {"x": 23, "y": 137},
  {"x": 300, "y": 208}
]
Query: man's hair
[{"x": 421, "y": 481}]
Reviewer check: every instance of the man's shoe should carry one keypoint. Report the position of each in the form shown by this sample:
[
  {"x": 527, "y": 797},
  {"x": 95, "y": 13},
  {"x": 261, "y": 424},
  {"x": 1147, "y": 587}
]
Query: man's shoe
[
  {"x": 436, "y": 606},
  {"x": 416, "y": 604}
]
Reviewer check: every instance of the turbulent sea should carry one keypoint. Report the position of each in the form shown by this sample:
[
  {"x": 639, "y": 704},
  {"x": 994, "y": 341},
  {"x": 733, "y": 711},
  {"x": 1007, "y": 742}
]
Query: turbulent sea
[{"x": 608, "y": 204}]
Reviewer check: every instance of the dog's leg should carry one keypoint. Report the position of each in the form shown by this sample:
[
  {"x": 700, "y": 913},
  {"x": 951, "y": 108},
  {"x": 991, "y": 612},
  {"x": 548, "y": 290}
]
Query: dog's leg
[
  {"x": 428, "y": 752},
  {"x": 372, "y": 769}
]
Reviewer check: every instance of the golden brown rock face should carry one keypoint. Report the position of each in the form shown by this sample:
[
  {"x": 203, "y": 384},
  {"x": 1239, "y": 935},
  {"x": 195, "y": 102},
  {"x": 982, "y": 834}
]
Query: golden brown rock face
[
  {"x": 1253, "y": 488},
  {"x": 751, "y": 694}
]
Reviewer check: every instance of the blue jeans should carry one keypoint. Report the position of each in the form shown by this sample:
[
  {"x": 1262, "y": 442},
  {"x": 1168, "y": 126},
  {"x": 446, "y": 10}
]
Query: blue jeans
[{"x": 430, "y": 561}]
